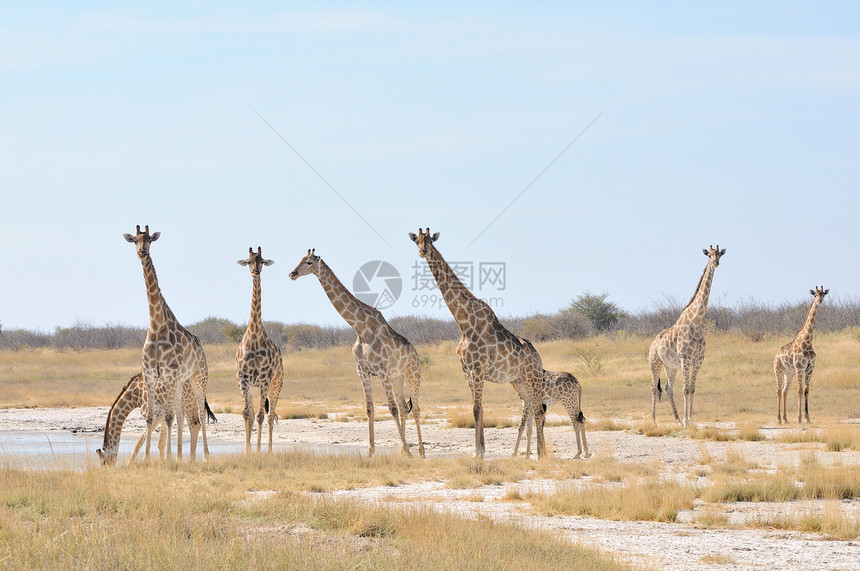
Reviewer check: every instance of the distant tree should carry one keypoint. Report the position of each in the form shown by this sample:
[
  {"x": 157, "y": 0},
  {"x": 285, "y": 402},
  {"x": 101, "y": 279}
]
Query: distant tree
[{"x": 602, "y": 314}]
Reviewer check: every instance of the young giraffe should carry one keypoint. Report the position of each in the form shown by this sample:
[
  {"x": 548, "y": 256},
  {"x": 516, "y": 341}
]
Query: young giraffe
[
  {"x": 682, "y": 346},
  {"x": 558, "y": 386},
  {"x": 797, "y": 359},
  {"x": 171, "y": 354},
  {"x": 487, "y": 351},
  {"x": 258, "y": 360},
  {"x": 132, "y": 396},
  {"x": 379, "y": 351}
]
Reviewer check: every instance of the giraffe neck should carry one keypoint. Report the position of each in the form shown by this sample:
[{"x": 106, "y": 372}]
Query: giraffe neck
[
  {"x": 805, "y": 333},
  {"x": 255, "y": 322},
  {"x": 694, "y": 313},
  {"x": 159, "y": 312},
  {"x": 130, "y": 398},
  {"x": 353, "y": 311},
  {"x": 460, "y": 301}
]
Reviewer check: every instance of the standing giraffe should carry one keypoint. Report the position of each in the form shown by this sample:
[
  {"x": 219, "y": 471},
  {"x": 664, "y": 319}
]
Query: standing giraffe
[
  {"x": 132, "y": 396},
  {"x": 797, "y": 359},
  {"x": 379, "y": 350},
  {"x": 487, "y": 351},
  {"x": 171, "y": 354},
  {"x": 682, "y": 346},
  {"x": 558, "y": 386},
  {"x": 258, "y": 360}
]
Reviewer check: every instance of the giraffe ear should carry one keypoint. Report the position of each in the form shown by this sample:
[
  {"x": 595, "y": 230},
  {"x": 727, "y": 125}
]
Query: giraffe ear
[
  {"x": 154, "y": 237},
  {"x": 826, "y": 291},
  {"x": 128, "y": 238},
  {"x": 723, "y": 252},
  {"x": 705, "y": 251},
  {"x": 435, "y": 236},
  {"x": 412, "y": 236},
  {"x": 242, "y": 262},
  {"x": 812, "y": 292},
  {"x": 268, "y": 262}
]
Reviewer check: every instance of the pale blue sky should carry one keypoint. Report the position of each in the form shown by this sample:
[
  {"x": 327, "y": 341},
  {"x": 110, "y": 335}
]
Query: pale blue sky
[{"x": 729, "y": 122}]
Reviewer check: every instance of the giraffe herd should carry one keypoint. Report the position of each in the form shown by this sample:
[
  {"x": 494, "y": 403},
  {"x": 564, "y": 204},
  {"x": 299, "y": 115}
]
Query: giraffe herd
[{"x": 172, "y": 383}]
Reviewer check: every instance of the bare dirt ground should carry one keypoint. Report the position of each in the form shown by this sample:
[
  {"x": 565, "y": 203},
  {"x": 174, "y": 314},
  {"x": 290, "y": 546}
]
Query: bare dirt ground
[{"x": 681, "y": 545}]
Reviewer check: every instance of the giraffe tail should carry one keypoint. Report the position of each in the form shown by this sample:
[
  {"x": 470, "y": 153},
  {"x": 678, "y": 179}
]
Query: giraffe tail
[
  {"x": 409, "y": 405},
  {"x": 659, "y": 390},
  {"x": 581, "y": 417},
  {"x": 210, "y": 416},
  {"x": 267, "y": 405}
]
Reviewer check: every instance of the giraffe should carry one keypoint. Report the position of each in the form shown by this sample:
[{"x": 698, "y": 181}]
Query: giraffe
[
  {"x": 379, "y": 351},
  {"x": 558, "y": 386},
  {"x": 487, "y": 351},
  {"x": 132, "y": 396},
  {"x": 797, "y": 359},
  {"x": 171, "y": 354},
  {"x": 258, "y": 360},
  {"x": 682, "y": 346}
]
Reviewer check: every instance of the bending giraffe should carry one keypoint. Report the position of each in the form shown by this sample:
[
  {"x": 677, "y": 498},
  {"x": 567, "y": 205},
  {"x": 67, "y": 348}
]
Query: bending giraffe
[
  {"x": 132, "y": 396},
  {"x": 558, "y": 386},
  {"x": 171, "y": 354},
  {"x": 487, "y": 351},
  {"x": 797, "y": 360},
  {"x": 379, "y": 351},
  {"x": 682, "y": 346},
  {"x": 258, "y": 359}
]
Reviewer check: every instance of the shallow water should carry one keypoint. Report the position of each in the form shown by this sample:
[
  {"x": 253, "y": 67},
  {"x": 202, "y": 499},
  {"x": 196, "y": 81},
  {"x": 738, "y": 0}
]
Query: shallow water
[{"x": 59, "y": 450}]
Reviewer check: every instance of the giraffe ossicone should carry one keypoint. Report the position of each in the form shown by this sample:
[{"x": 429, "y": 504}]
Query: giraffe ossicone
[
  {"x": 682, "y": 346},
  {"x": 796, "y": 360},
  {"x": 379, "y": 351}
]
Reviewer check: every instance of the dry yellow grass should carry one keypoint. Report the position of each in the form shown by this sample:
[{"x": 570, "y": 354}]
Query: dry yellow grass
[
  {"x": 735, "y": 384},
  {"x": 239, "y": 513}
]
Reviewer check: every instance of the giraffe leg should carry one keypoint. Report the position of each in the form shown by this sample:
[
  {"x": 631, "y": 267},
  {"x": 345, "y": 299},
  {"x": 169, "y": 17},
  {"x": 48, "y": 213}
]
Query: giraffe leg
[
  {"x": 137, "y": 446},
  {"x": 656, "y": 365},
  {"x": 529, "y": 424},
  {"x": 149, "y": 383},
  {"x": 368, "y": 398},
  {"x": 581, "y": 429},
  {"x": 799, "y": 376},
  {"x": 247, "y": 414},
  {"x": 778, "y": 371},
  {"x": 397, "y": 407},
  {"x": 261, "y": 414},
  {"x": 162, "y": 441},
  {"x": 523, "y": 421},
  {"x": 809, "y": 370},
  {"x": 274, "y": 393},
  {"x": 540, "y": 418},
  {"x": 685, "y": 373},
  {"x": 694, "y": 372},
  {"x": 670, "y": 391},
  {"x": 476, "y": 383},
  {"x": 413, "y": 381},
  {"x": 180, "y": 422}
]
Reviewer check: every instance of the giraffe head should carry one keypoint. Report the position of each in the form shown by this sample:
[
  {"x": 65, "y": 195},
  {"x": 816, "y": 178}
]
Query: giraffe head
[
  {"x": 307, "y": 265},
  {"x": 819, "y": 293},
  {"x": 255, "y": 261},
  {"x": 424, "y": 240},
  {"x": 107, "y": 456},
  {"x": 714, "y": 254},
  {"x": 142, "y": 240}
]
